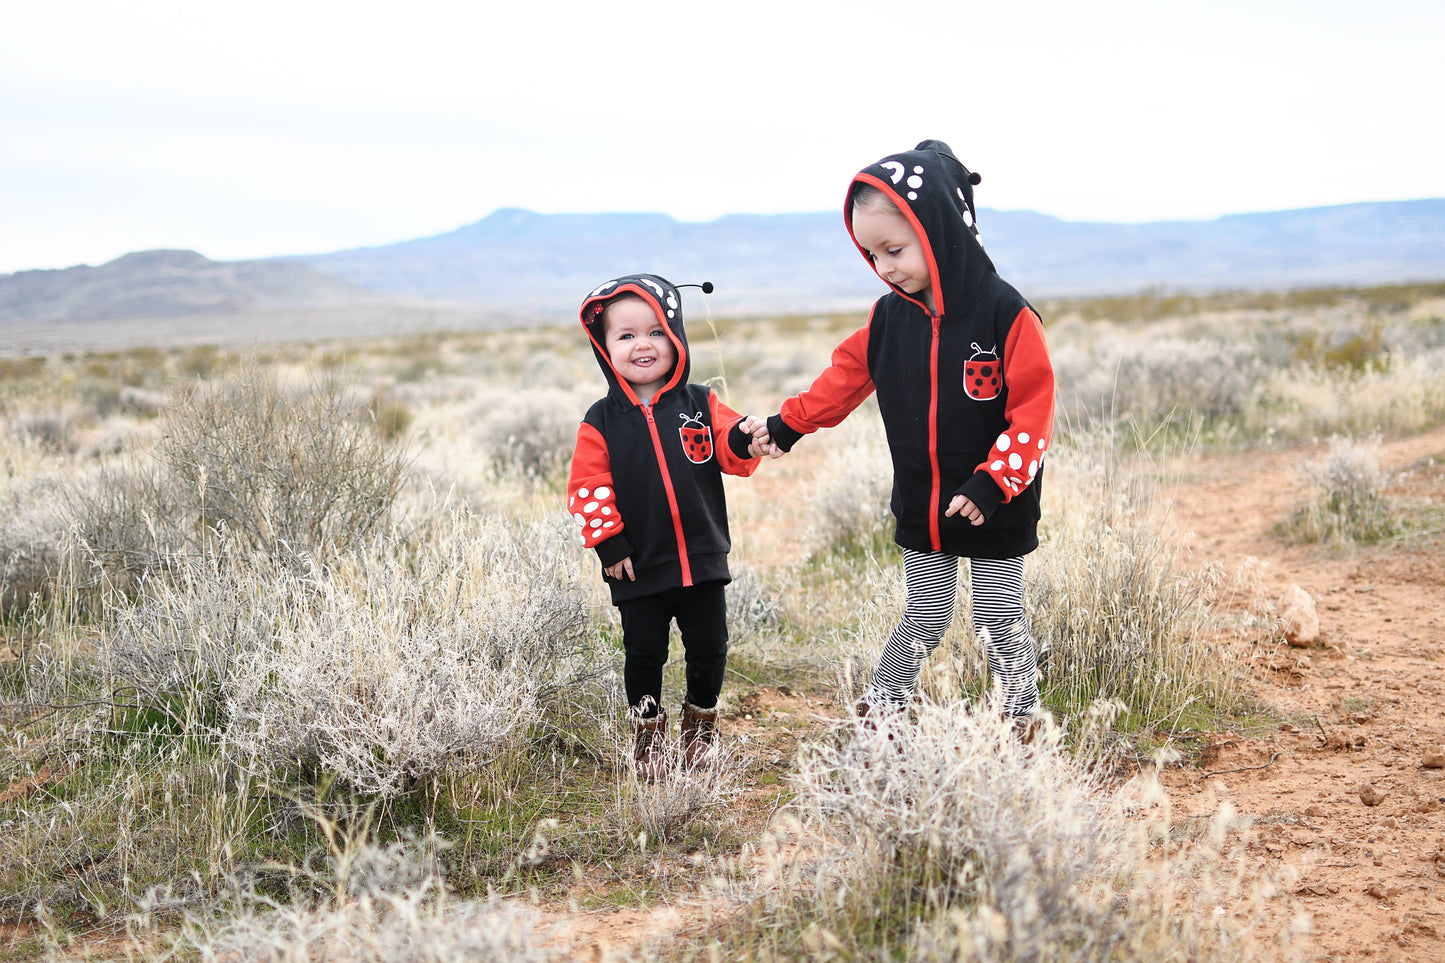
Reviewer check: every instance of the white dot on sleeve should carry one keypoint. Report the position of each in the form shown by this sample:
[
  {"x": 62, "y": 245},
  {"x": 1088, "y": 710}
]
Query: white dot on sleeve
[
  {"x": 993, "y": 466},
  {"x": 589, "y": 508},
  {"x": 1002, "y": 443},
  {"x": 596, "y": 523},
  {"x": 581, "y": 493},
  {"x": 602, "y": 492},
  {"x": 1015, "y": 462},
  {"x": 1023, "y": 438}
]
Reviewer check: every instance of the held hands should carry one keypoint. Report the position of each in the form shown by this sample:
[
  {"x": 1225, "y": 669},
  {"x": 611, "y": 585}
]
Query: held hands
[
  {"x": 962, "y": 505},
  {"x": 615, "y": 571},
  {"x": 761, "y": 444}
]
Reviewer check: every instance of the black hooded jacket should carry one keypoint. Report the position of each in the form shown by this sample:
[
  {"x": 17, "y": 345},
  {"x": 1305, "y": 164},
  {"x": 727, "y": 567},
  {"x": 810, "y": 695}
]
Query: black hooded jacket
[
  {"x": 966, "y": 394},
  {"x": 646, "y": 480}
]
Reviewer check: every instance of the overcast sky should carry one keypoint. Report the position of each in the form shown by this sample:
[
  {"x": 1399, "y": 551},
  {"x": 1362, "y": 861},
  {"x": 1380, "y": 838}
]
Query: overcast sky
[{"x": 261, "y": 128}]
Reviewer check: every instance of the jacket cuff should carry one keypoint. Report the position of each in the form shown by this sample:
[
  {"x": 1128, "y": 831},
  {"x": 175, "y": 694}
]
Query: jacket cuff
[
  {"x": 614, "y": 550},
  {"x": 983, "y": 491},
  {"x": 781, "y": 434},
  {"x": 738, "y": 441}
]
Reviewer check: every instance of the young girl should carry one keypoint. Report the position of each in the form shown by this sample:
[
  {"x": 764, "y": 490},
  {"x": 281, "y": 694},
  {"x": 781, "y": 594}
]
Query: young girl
[{"x": 966, "y": 391}]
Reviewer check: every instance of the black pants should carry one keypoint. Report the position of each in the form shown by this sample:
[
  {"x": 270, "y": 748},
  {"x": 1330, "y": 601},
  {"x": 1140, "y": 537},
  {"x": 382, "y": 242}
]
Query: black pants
[{"x": 702, "y": 618}]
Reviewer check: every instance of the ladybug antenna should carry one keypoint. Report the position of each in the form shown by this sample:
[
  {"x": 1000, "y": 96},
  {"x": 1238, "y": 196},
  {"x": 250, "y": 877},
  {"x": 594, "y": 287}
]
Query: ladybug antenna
[
  {"x": 976, "y": 347},
  {"x": 706, "y": 286}
]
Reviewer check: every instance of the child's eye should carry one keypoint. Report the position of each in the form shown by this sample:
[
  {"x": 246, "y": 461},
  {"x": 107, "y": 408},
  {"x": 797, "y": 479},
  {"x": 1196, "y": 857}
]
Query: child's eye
[{"x": 893, "y": 252}]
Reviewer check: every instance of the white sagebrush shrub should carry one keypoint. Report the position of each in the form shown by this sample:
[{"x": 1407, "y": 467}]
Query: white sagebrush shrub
[
  {"x": 855, "y": 486},
  {"x": 530, "y": 434},
  {"x": 1347, "y": 501},
  {"x": 386, "y": 668},
  {"x": 32, "y": 529},
  {"x": 387, "y": 904},
  {"x": 753, "y": 607},
  {"x": 294, "y": 474},
  {"x": 1152, "y": 380},
  {"x": 944, "y": 837}
]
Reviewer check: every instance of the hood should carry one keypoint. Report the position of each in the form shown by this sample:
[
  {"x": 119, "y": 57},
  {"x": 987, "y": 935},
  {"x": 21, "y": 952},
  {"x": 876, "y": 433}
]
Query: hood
[
  {"x": 934, "y": 191},
  {"x": 661, "y": 295}
]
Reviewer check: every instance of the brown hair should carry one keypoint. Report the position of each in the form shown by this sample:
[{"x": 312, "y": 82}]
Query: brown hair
[{"x": 863, "y": 194}]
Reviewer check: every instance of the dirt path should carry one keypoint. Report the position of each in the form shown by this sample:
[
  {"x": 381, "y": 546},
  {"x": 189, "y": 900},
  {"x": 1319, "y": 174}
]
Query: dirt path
[{"x": 1348, "y": 801}]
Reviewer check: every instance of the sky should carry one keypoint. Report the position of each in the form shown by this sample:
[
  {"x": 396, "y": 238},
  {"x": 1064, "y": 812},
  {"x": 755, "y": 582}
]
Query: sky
[{"x": 268, "y": 128}]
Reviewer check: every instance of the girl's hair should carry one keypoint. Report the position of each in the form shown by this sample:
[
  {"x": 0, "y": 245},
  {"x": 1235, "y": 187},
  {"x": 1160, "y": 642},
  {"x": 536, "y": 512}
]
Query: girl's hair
[
  {"x": 864, "y": 194},
  {"x": 599, "y": 311}
]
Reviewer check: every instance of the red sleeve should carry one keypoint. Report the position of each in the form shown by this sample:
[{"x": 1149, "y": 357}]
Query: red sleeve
[
  {"x": 591, "y": 500},
  {"x": 1029, "y": 413},
  {"x": 833, "y": 395},
  {"x": 724, "y": 420}
]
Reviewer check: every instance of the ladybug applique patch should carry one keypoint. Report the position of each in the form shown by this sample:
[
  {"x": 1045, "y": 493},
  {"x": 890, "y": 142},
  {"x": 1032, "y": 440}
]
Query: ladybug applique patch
[
  {"x": 696, "y": 438},
  {"x": 982, "y": 375}
]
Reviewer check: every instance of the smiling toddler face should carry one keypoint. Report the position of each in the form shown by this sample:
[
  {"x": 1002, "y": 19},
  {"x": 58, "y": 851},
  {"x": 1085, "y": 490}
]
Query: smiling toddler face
[{"x": 638, "y": 346}]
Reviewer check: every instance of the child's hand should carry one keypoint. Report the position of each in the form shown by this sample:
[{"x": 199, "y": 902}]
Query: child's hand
[
  {"x": 962, "y": 505},
  {"x": 761, "y": 444},
  {"x": 615, "y": 571}
]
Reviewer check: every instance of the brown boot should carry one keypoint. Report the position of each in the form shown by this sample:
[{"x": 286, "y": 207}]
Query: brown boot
[
  {"x": 649, "y": 750},
  {"x": 699, "y": 735}
]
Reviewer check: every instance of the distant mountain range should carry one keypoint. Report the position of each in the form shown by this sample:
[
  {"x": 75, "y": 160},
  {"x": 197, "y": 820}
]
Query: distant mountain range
[
  {"x": 166, "y": 284},
  {"x": 540, "y": 265}
]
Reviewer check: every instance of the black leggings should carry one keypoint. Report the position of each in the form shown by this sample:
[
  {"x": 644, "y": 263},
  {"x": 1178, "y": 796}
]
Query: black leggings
[{"x": 701, "y": 612}]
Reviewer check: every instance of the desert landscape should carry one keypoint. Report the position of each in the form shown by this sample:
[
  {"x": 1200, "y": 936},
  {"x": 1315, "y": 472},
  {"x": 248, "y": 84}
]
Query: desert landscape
[{"x": 302, "y": 658}]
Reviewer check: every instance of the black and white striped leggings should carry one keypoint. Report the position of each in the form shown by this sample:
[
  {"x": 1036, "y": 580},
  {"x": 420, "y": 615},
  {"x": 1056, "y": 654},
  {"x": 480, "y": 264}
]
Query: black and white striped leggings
[{"x": 998, "y": 615}]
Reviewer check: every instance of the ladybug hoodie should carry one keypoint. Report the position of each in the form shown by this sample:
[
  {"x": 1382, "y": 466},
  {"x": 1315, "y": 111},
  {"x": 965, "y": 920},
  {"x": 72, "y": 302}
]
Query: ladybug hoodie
[
  {"x": 966, "y": 394},
  {"x": 646, "y": 479}
]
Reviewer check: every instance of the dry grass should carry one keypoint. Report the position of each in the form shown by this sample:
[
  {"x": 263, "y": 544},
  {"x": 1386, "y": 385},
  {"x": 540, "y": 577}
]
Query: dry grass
[
  {"x": 942, "y": 837},
  {"x": 278, "y": 595}
]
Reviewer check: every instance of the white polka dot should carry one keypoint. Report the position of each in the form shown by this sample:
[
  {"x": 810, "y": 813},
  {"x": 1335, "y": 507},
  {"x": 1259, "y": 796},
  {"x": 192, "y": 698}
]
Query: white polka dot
[
  {"x": 1042, "y": 443},
  {"x": 602, "y": 492},
  {"x": 995, "y": 466},
  {"x": 577, "y": 517},
  {"x": 572, "y": 502},
  {"x": 671, "y": 313},
  {"x": 608, "y": 524},
  {"x": 607, "y": 509},
  {"x": 1002, "y": 443},
  {"x": 1015, "y": 462},
  {"x": 1023, "y": 438},
  {"x": 596, "y": 523},
  {"x": 1033, "y": 468},
  {"x": 913, "y": 195},
  {"x": 582, "y": 493},
  {"x": 917, "y": 170},
  {"x": 589, "y": 508},
  {"x": 915, "y": 182}
]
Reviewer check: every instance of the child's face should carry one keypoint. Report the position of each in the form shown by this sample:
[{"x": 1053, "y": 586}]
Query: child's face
[
  {"x": 638, "y": 346},
  {"x": 894, "y": 249}
]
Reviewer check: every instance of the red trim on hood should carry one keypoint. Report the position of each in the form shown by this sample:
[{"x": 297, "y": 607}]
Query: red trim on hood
[
  {"x": 656, "y": 306},
  {"x": 912, "y": 218}
]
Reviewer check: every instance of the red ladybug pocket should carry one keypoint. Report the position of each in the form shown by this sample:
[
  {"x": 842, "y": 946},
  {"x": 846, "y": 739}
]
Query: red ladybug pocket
[
  {"x": 696, "y": 438},
  {"x": 982, "y": 375}
]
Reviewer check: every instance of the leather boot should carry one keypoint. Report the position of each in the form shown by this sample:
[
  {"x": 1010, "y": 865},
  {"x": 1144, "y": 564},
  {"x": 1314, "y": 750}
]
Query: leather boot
[
  {"x": 699, "y": 735},
  {"x": 649, "y": 749}
]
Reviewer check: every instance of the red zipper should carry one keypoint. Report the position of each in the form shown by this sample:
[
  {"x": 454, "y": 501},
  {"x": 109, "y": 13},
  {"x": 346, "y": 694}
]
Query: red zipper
[
  {"x": 933, "y": 535},
  {"x": 672, "y": 497}
]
